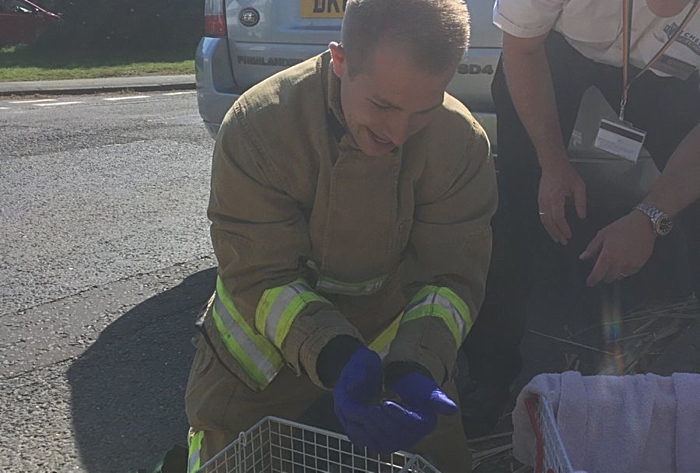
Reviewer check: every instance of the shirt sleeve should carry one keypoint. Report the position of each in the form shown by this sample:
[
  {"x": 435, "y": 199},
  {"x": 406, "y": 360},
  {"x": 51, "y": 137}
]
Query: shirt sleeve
[
  {"x": 261, "y": 239},
  {"x": 448, "y": 260},
  {"x": 526, "y": 18}
]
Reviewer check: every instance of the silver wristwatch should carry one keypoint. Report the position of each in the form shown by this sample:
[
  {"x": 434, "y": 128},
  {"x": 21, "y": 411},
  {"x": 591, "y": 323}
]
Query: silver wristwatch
[{"x": 661, "y": 223}]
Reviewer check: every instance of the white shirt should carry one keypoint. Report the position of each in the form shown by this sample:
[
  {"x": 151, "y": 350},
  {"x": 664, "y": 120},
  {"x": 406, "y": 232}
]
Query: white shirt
[{"x": 594, "y": 28}]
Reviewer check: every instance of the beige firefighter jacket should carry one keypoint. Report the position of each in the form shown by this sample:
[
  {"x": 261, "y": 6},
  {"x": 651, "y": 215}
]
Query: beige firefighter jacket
[{"x": 314, "y": 239}]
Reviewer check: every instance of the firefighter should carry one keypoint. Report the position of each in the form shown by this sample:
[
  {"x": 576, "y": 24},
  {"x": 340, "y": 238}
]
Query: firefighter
[{"x": 351, "y": 200}]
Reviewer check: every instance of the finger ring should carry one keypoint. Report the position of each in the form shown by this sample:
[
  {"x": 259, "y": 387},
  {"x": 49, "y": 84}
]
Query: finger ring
[
  {"x": 624, "y": 275},
  {"x": 541, "y": 213}
]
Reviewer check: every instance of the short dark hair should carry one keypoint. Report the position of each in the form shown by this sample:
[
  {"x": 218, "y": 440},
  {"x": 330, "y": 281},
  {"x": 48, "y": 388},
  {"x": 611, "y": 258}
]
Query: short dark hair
[{"x": 436, "y": 32}]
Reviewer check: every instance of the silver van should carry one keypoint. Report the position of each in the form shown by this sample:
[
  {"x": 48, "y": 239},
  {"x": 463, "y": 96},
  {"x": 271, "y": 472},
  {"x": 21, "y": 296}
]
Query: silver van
[{"x": 247, "y": 41}]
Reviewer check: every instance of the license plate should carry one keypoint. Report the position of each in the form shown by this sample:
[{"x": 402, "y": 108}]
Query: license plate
[{"x": 322, "y": 8}]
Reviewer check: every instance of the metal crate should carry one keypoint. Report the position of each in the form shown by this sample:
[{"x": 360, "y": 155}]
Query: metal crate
[
  {"x": 275, "y": 445},
  {"x": 551, "y": 456}
]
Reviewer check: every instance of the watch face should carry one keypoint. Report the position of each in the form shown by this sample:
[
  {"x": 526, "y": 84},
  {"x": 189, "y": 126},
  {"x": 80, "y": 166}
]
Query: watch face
[{"x": 664, "y": 225}]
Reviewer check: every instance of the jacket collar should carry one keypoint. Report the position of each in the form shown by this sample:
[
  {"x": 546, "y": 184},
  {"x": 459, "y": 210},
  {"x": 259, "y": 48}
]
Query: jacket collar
[{"x": 335, "y": 110}]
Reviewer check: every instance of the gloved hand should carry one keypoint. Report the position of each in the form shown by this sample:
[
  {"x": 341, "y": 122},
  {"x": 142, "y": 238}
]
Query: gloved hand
[
  {"x": 359, "y": 385},
  {"x": 421, "y": 393},
  {"x": 401, "y": 427}
]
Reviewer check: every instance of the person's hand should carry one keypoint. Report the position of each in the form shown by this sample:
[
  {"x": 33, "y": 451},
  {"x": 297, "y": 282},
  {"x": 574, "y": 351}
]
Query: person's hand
[
  {"x": 358, "y": 386},
  {"x": 558, "y": 182},
  {"x": 400, "y": 427},
  {"x": 623, "y": 248}
]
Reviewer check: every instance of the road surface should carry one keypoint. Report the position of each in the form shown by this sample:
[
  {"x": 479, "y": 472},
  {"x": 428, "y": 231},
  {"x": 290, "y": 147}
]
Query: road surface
[{"x": 104, "y": 261}]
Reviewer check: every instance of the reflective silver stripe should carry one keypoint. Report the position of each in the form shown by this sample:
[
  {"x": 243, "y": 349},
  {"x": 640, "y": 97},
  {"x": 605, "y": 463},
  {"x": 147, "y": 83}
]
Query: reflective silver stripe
[
  {"x": 194, "y": 443},
  {"x": 194, "y": 460},
  {"x": 280, "y": 305},
  {"x": 437, "y": 299},
  {"x": 350, "y": 289},
  {"x": 246, "y": 344}
]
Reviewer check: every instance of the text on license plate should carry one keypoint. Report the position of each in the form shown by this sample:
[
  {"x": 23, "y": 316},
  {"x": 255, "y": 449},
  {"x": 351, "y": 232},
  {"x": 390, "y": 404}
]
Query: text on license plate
[{"x": 322, "y": 8}]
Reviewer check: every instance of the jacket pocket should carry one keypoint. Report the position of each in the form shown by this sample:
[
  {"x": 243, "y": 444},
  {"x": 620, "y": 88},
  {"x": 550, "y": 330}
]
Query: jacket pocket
[
  {"x": 204, "y": 358},
  {"x": 209, "y": 389}
]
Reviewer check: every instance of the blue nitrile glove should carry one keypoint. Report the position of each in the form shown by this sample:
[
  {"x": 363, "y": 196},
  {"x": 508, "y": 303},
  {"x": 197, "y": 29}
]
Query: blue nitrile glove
[
  {"x": 421, "y": 393},
  {"x": 358, "y": 386},
  {"x": 399, "y": 427}
]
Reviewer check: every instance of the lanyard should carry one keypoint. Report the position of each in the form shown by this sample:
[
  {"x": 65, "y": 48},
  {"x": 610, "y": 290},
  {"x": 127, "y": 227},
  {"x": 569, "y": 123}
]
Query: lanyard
[{"x": 626, "y": 40}]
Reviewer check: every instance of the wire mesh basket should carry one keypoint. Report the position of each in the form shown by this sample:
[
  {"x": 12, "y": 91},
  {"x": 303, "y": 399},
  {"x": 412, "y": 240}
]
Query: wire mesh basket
[
  {"x": 551, "y": 456},
  {"x": 275, "y": 445}
]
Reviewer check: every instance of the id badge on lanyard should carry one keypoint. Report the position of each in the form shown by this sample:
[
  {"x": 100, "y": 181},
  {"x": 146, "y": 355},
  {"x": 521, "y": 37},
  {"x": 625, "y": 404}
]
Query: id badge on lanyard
[{"x": 619, "y": 137}]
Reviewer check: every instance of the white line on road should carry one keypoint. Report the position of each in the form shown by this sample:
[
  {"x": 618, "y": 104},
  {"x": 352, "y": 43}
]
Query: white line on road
[
  {"x": 34, "y": 101},
  {"x": 182, "y": 93},
  {"x": 57, "y": 103},
  {"x": 4, "y": 108},
  {"x": 112, "y": 99}
]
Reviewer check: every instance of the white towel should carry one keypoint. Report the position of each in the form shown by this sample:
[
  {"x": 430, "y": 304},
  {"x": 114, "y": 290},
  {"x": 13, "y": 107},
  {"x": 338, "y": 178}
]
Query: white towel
[
  {"x": 635, "y": 424},
  {"x": 547, "y": 386},
  {"x": 687, "y": 422}
]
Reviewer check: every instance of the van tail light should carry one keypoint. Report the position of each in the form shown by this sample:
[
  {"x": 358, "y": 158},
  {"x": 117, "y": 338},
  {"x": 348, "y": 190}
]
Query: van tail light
[{"x": 215, "y": 18}]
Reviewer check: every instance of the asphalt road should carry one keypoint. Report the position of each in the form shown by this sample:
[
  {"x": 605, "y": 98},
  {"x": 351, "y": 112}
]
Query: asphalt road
[{"x": 104, "y": 262}]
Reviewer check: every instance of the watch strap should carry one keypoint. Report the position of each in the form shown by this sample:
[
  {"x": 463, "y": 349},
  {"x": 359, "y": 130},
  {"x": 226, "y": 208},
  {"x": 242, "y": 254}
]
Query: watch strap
[{"x": 654, "y": 215}]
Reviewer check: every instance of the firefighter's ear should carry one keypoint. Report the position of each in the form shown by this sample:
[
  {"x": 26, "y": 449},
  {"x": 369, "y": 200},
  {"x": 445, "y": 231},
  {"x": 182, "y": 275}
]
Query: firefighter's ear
[{"x": 338, "y": 56}]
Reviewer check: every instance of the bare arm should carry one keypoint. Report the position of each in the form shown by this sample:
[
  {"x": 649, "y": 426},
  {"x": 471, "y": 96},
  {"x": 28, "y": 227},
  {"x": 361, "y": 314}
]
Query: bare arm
[
  {"x": 679, "y": 184},
  {"x": 530, "y": 84},
  {"x": 625, "y": 246}
]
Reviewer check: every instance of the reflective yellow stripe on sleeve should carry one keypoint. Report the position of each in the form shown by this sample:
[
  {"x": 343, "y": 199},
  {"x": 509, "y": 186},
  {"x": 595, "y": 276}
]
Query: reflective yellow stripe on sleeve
[
  {"x": 279, "y": 307},
  {"x": 382, "y": 343},
  {"x": 194, "y": 441},
  {"x": 251, "y": 350},
  {"x": 441, "y": 302}
]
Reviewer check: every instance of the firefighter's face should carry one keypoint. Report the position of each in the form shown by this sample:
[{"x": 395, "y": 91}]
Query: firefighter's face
[{"x": 390, "y": 100}]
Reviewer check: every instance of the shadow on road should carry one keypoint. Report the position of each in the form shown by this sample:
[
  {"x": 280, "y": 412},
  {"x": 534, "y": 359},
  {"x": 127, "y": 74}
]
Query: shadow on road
[{"x": 128, "y": 388}]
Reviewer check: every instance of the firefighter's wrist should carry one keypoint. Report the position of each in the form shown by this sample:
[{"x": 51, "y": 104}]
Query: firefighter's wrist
[
  {"x": 333, "y": 358},
  {"x": 397, "y": 369}
]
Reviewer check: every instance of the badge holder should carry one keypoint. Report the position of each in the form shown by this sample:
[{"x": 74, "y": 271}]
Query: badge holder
[{"x": 619, "y": 137}]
